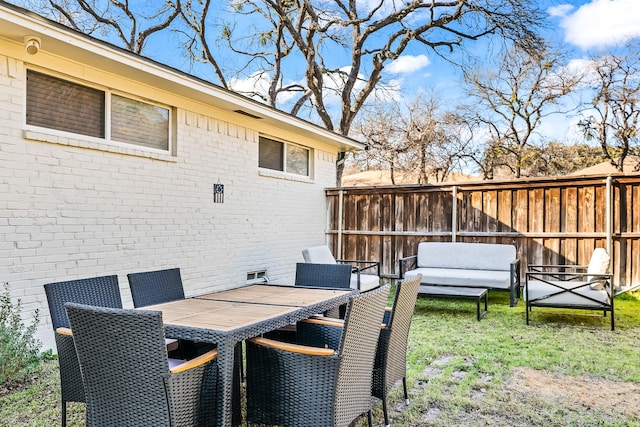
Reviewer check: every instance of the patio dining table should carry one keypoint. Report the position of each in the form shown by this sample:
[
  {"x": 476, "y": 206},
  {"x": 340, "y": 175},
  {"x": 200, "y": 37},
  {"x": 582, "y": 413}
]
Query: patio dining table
[{"x": 228, "y": 317}]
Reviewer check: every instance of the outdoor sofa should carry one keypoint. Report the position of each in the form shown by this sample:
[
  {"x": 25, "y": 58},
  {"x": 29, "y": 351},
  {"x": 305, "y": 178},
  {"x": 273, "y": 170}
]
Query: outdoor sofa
[{"x": 467, "y": 265}]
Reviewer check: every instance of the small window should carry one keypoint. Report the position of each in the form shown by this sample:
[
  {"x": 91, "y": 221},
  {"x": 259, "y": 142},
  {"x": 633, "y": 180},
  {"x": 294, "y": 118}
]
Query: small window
[
  {"x": 67, "y": 106},
  {"x": 136, "y": 122},
  {"x": 285, "y": 157},
  {"x": 62, "y": 105}
]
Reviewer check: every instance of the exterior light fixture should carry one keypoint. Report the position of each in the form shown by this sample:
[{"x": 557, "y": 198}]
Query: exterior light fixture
[{"x": 32, "y": 44}]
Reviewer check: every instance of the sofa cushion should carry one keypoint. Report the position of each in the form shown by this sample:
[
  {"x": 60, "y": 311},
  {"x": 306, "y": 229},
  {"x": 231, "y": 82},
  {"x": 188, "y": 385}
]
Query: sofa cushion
[
  {"x": 318, "y": 255},
  {"x": 466, "y": 256},
  {"x": 367, "y": 282},
  {"x": 495, "y": 279},
  {"x": 538, "y": 289},
  {"x": 599, "y": 264}
]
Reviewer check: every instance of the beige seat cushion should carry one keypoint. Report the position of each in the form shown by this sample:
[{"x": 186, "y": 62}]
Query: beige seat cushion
[{"x": 599, "y": 264}]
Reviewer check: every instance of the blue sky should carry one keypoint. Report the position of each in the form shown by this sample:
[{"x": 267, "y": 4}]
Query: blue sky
[{"x": 583, "y": 27}]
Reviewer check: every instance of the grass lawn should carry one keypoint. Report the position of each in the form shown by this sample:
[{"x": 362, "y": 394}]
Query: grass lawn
[{"x": 566, "y": 368}]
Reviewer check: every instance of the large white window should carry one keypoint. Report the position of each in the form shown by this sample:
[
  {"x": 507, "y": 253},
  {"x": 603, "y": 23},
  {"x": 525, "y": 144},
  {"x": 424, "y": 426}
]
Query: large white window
[
  {"x": 284, "y": 156},
  {"x": 68, "y": 106}
]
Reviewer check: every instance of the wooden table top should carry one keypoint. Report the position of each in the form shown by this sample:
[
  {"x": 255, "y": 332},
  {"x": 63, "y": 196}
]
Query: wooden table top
[
  {"x": 292, "y": 296},
  {"x": 219, "y": 315},
  {"x": 241, "y": 307}
]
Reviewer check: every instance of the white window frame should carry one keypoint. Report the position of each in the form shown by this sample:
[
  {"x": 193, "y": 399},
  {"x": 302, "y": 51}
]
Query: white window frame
[
  {"x": 107, "y": 131},
  {"x": 285, "y": 172}
]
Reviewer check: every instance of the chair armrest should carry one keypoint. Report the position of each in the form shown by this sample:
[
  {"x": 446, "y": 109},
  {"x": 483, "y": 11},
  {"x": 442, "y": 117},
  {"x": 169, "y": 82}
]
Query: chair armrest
[
  {"x": 336, "y": 323},
  {"x": 365, "y": 265},
  {"x": 407, "y": 263},
  {"x": 325, "y": 321},
  {"x": 64, "y": 331},
  {"x": 555, "y": 267},
  {"x": 292, "y": 348},
  {"x": 196, "y": 361}
]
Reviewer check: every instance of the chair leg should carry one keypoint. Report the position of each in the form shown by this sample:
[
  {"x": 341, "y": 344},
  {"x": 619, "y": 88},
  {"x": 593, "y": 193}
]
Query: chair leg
[
  {"x": 385, "y": 412},
  {"x": 64, "y": 413},
  {"x": 406, "y": 394},
  {"x": 370, "y": 418}
]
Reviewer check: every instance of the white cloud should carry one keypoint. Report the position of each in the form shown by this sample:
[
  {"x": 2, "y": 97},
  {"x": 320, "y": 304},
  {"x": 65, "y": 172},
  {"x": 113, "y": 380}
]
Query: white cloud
[
  {"x": 560, "y": 10},
  {"x": 408, "y": 64},
  {"x": 258, "y": 83},
  {"x": 603, "y": 23}
]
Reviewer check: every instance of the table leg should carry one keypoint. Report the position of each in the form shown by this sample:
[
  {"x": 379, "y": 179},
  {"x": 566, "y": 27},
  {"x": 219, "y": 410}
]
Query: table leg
[
  {"x": 225, "y": 384},
  {"x": 484, "y": 297}
]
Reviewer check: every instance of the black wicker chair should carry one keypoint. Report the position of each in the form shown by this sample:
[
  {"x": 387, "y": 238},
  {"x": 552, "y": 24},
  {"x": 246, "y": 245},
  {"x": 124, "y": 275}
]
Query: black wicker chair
[
  {"x": 337, "y": 276},
  {"x": 99, "y": 291},
  {"x": 160, "y": 286},
  {"x": 138, "y": 385},
  {"x": 295, "y": 385},
  {"x": 155, "y": 287},
  {"x": 391, "y": 356},
  {"x": 323, "y": 275}
]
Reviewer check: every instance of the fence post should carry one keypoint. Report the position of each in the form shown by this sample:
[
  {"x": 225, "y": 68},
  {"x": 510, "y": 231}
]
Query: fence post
[
  {"x": 609, "y": 219},
  {"x": 340, "y": 206},
  {"x": 454, "y": 213}
]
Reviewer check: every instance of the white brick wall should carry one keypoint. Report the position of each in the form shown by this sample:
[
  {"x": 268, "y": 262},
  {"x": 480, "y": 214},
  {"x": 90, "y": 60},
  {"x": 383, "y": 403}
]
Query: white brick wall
[{"x": 72, "y": 209}]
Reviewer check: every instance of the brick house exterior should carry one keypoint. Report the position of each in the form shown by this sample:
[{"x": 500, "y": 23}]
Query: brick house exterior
[{"x": 75, "y": 206}]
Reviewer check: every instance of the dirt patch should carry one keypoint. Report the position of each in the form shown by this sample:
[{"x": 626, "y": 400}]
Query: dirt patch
[{"x": 610, "y": 396}]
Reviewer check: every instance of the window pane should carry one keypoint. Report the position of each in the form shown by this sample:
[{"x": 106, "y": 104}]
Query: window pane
[
  {"x": 271, "y": 154},
  {"x": 139, "y": 123},
  {"x": 297, "y": 160},
  {"x": 59, "y": 104}
]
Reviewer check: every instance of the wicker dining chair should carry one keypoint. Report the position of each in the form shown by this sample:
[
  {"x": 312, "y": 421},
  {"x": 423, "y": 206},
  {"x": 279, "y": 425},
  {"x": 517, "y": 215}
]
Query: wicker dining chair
[
  {"x": 295, "y": 385},
  {"x": 99, "y": 291},
  {"x": 160, "y": 286},
  {"x": 391, "y": 356},
  {"x": 155, "y": 287},
  {"x": 138, "y": 385},
  {"x": 335, "y": 276},
  {"x": 323, "y": 275}
]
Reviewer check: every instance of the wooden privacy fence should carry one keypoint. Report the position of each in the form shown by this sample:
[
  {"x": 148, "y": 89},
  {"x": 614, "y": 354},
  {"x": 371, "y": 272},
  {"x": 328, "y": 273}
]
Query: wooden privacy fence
[{"x": 549, "y": 220}]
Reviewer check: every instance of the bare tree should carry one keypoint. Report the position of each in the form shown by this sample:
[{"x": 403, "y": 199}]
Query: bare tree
[
  {"x": 419, "y": 140},
  {"x": 512, "y": 99},
  {"x": 369, "y": 38},
  {"x": 382, "y": 132},
  {"x": 132, "y": 23},
  {"x": 612, "y": 118}
]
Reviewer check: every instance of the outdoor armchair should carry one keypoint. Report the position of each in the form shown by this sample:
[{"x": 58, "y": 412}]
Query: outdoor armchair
[
  {"x": 136, "y": 383},
  {"x": 101, "y": 291},
  {"x": 359, "y": 280},
  {"x": 295, "y": 385},
  {"x": 572, "y": 286}
]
